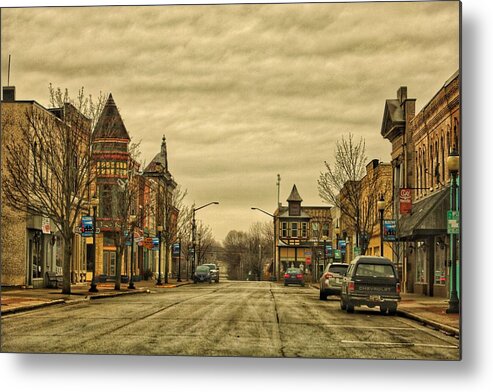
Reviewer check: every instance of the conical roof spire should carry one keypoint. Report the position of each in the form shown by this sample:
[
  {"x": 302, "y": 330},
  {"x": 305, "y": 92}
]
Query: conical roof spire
[
  {"x": 110, "y": 124},
  {"x": 164, "y": 153},
  {"x": 294, "y": 196}
]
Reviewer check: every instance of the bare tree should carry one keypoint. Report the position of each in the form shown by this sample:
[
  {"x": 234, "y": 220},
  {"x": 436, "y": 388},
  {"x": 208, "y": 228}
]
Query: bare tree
[
  {"x": 172, "y": 203},
  {"x": 123, "y": 209},
  {"x": 344, "y": 185},
  {"x": 49, "y": 166}
]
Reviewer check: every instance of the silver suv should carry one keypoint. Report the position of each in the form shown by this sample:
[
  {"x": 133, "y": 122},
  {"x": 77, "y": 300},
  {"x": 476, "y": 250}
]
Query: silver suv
[
  {"x": 214, "y": 269},
  {"x": 331, "y": 279}
]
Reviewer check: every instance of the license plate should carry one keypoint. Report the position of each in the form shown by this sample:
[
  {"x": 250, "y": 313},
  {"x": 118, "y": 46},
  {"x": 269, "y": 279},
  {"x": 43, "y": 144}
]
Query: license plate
[{"x": 375, "y": 298}]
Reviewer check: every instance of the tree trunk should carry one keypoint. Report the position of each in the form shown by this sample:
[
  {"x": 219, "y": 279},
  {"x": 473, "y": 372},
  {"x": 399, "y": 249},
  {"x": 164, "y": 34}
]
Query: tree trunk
[
  {"x": 118, "y": 272},
  {"x": 67, "y": 264}
]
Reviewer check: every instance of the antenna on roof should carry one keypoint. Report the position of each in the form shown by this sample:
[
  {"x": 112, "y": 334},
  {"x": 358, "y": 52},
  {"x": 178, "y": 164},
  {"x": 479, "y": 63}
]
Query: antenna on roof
[
  {"x": 278, "y": 189},
  {"x": 8, "y": 74}
]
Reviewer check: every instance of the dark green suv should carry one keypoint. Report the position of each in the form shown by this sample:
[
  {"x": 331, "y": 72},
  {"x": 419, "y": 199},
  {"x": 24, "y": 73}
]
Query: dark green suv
[{"x": 371, "y": 281}]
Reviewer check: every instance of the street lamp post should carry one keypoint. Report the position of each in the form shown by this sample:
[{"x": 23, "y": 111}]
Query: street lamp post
[
  {"x": 179, "y": 260},
  {"x": 381, "y": 208},
  {"x": 453, "y": 164},
  {"x": 159, "y": 230},
  {"x": 194, "y": 228},
  {"x": 131, "y": 284},
  {"x": 273, "y": 240},
  {"x": 94, "y": 204}
]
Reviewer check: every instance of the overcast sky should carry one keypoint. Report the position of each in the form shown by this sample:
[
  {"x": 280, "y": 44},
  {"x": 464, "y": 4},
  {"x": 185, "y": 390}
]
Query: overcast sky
[{"x": 242, "y": 92}]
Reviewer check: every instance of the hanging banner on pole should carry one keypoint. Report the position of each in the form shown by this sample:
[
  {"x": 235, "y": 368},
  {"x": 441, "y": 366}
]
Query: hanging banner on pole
[
  {"x": 405, "y": 201},
  {"x": 389, "y": 229}
]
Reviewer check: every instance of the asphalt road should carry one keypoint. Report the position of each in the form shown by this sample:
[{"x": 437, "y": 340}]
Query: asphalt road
[{"x": 258, "y": 319}]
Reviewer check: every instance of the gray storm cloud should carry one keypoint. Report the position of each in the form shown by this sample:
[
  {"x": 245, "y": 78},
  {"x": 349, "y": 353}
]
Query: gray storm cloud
[{"x": 242, "y": 92}]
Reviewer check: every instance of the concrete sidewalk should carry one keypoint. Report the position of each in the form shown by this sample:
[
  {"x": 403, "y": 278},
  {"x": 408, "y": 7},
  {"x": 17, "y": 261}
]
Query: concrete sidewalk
[
  {"x": 19, "y": 299},
  {"x": 430, "y": 311}
]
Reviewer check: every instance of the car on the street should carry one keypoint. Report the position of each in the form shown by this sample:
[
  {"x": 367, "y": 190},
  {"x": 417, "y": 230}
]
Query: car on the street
[
  {"x": 214, "y": 269},
  {"x": 331, "y": 279},
  {"x": 202, "y": 274},
  {"x": 371, "y": 281},
  {"x": 294, "y": 276}
]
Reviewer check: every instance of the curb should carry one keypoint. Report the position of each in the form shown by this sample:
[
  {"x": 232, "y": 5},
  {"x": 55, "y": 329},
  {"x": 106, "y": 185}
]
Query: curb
[
  {"x": 436, "y": 325},
  {"x": 31, "y": 307},
  {"x": 442, "y": 327},
  {"x": 68, "y": 301}
]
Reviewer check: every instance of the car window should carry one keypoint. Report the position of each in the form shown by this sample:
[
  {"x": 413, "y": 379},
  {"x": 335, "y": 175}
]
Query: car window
[
  {"x": 202, "y": 268},
  {"x": 338, "y": 269},
  {"x": 211, "y": 266},
  {"x": 378, "y": 270}
]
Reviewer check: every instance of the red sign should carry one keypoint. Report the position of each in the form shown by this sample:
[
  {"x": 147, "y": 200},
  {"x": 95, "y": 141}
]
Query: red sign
[
  {"x": 308, "y": 260},
  {"x": 405, "y": 201}
]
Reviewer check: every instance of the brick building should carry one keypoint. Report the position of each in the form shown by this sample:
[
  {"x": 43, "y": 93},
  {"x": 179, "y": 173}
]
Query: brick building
[
  {"x": 421, "y": 144},
  {"x": 301, "y": 232}
]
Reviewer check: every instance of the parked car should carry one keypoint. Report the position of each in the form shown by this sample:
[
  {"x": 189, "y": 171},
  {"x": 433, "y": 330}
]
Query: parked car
[
  {"x": 294, "y": 276},
  {"x": 214, "y": 272},
  {"x": 202, "y": 274},
  {"x": 371, "y": 281},
  {"x": 331, "y": 279}
]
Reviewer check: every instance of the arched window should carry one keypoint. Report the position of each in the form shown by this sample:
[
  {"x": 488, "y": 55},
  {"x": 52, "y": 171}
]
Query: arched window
[
  {"x": 431, "y": 166},
  {"x": 436, "y": 173},
  {"x": 442, "y": 151},
  {"x": 456, "y": 143}
]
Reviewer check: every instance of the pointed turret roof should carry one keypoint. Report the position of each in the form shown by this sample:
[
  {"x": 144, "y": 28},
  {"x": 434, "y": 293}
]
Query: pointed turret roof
[
  {"x": 161, "y": 159},
  {"x": 110, "y": 123},
  {"x": 294, "y": 196}
]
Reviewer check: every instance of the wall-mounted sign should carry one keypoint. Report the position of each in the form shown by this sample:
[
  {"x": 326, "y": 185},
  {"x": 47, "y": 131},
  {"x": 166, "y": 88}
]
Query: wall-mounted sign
[
  {"x": 405, "y": 201},
  {"x": 45, "y": 225}
]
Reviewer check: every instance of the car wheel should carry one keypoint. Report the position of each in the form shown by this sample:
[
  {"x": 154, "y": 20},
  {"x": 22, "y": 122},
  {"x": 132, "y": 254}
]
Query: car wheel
[
  {"x": 343, "y": 305},
  {"x": 350, "y": 308},
  {"x": 383, "y": 310},
  {"x": 392, "y": 310},
  {"x": 285, "y": 284},
  {"x": 302, "y": 285},
  {"x": 323, "y": 296}
]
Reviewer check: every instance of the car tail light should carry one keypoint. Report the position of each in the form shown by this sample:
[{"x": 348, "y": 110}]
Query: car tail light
[
  {"x": 286, "y": 275},
  {"x": 398, "y": 288},
  {"x": 299, "y": 276},
  {"x": 351, "y": 286},
  {"x": 328, "y": 275}
]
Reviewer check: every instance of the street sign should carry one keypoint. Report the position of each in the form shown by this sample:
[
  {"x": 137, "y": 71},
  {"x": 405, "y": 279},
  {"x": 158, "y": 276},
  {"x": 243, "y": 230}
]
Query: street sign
[
  {"x": 357, "y": 251},
  {"x": 452, "y": 222},
  {"x": 337, "y": 254},
  {"x": 389, "y": 229},
  {"x": 308, "y": 260}
]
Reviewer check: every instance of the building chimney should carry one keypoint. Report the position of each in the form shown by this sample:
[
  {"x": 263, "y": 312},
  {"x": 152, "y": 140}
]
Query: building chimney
[
  {"x": 8, "y": 94},
  {"x": 402, "y": 94}
]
